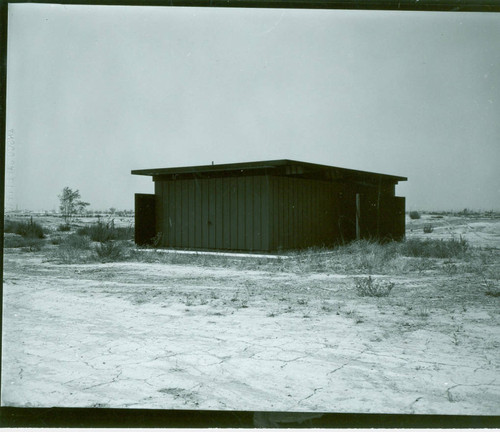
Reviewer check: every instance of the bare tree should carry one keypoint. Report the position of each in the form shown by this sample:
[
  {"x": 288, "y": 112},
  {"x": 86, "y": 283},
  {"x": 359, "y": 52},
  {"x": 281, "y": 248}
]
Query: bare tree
[{"x": 70, "y": 203}]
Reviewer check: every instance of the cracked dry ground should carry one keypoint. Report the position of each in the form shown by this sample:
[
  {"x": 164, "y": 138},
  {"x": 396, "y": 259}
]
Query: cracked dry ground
[{"x": 185, "y": 337}]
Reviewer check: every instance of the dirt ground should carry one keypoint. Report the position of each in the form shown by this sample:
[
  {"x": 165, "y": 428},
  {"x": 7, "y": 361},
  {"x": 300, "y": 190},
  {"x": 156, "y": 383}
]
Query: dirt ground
[{"x": 268, "y": 338}]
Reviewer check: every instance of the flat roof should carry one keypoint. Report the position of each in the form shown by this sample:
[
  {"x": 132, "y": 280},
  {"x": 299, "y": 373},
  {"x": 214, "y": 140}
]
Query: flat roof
[{"x": 270, "y": 164}]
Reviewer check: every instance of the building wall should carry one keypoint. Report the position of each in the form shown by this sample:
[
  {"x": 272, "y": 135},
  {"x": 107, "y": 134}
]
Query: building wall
[
  {"x": 267, "y": 213},
  {"x": 369, "y": 200},
  {"x": 382, "y": 217},
  {"x": 303, "y": 213},
  {"x": 214, "y": 213}
]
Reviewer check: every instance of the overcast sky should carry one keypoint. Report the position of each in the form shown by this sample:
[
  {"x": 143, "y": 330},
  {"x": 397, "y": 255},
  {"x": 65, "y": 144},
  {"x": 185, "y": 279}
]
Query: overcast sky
[{"x": 95, "y": 91}]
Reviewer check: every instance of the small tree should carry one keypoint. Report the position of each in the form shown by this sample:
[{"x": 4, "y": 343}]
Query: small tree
[{"x": 71, "y": 203}]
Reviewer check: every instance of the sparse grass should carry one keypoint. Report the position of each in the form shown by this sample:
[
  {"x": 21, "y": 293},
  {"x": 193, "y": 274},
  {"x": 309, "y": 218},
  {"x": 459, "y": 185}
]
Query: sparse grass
[
  {"x": 13, "y": 241},
  {"x": 64, "y": 227},
  {"x": 28, "y": 229},
  {"x": 72, "y": 249},
  {"x": 434, "y": 248},
  {"x": 28, "y": 244},
  {"x": 326, "y": 307},
  {"x": 69, "y": 255},
  {"x": 74, "y": 241},
  {"x": 358, "y": 257},
  {"x": 450, "y": 268},
  {"x": 368, "y": 287},
  {"x": 33, "y": 244},
  {"x": 423, "y": 313}
]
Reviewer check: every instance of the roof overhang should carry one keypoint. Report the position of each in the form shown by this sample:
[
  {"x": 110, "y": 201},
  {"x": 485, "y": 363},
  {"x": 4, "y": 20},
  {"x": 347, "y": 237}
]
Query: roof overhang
[{"x": 285, "y": 166}]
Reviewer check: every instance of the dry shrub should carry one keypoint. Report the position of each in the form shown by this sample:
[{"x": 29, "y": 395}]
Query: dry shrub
[
  {"x": 72, "y": 249},
  {"x": 11, "y": 240},
  {"x": 74, "y": 241},
  {"x": 414, "y": 214},
  {"x": 68, "y": 255},
  {"x": 56, "y": 240},
  {"x": 428, "y": 229},
  {"x": 110, "y": 251},
  {"x": 28, "y": 244},
  {"x": 106, "y": 231},
  {"x": 368, "y": 287},
  {"x": 28, "y": 229}
]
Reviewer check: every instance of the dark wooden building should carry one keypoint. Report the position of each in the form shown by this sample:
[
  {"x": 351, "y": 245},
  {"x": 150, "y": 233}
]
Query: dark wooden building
[{"x": 267, "y": 206}]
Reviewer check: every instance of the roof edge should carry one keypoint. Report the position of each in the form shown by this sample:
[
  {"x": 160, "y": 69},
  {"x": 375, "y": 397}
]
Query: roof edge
[{"x": 254, "y": 165}]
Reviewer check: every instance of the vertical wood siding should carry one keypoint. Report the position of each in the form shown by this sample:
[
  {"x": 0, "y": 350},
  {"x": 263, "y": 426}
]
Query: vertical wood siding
[
  {"x": 303, "y": 213},
  {"x": 215, "y": 213},
  {"x": 265, "y": 213}
]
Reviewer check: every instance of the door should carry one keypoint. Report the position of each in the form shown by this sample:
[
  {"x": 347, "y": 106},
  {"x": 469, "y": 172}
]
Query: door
[{"x": 145, "y": 220}]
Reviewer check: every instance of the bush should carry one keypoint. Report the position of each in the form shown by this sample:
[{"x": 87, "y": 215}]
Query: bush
[
  {"x": 428, "y": 229},
  {"x": 64, "y": 227},
  {"x": 414, "y": 215},
  {"x": 367, "y": 287},
  {"x": 434, "y": 248},
  {"x": 33, "y": 244},
  {"x": 69, "y": 255},
  {"x": 30, "y": 244},
  {"x": 26, "y": 229},
  {"x": 72, "y": 249},
  {"x": 105, "y": 231},
  {"x": 11, "y": 240},
  {"x": 110, "y": 251},
  {"x": 74, "y": 241},
  {"x": 57, "y": 240}
]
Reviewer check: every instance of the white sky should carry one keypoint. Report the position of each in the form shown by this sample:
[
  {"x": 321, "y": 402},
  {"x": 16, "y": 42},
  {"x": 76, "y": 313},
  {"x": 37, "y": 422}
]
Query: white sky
[{"x": 95, "y": 91}]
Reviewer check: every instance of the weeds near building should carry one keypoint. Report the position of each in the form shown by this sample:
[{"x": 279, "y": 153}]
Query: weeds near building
[{"x": 110, "y": 251}]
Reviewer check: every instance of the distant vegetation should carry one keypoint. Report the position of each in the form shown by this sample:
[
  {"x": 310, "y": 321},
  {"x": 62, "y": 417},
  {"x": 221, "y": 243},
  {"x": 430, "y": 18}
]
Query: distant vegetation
[
  {"x": 414, "y": 214},
  {"x": 428, "y": 229},
  {"x": 24, "y": 234},
  {"x": 105, "y": 231},
  {"x": 26, "y": 229},
  {"x": 71, "y": 204},
  {"x": 451, "y": 248}
]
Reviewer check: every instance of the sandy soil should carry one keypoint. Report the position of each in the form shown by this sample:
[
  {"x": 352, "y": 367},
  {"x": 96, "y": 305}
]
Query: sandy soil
[
  {"x": 149, "y": 335},
  {"x": 479, "y": 231}
]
